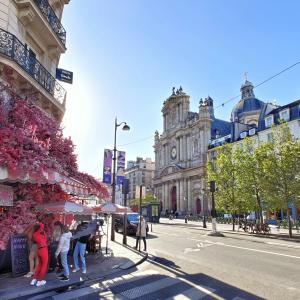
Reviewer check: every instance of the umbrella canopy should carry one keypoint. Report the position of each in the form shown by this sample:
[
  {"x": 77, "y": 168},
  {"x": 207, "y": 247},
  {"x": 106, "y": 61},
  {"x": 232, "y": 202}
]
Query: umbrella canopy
[
  {"x": 65, "y": 207},
  {"x": 111, "y": 208}
]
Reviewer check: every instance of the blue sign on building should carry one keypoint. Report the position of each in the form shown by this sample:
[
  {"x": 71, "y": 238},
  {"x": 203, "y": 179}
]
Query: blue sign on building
[{"x": 64, "y": 75}]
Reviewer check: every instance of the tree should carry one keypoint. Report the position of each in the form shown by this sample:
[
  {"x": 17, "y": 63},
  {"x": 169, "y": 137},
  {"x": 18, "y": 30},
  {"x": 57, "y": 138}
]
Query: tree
[
  {"x": 282, "y": 170},
  {"x": 224, "y": 172},
  {"x": 250, "y": 175}
]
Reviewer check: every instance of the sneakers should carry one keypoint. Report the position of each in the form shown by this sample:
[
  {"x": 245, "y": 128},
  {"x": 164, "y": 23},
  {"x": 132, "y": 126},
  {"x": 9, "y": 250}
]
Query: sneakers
[
  {"x": 83, "y": 271},
  {"x": 33, "y": 282},
  {"x": 29, "y": 274},
  {"x": 41, "y": 283},
  {"x": 64, "y": 278},
  {"x": 75, "y": 270},
  {"x": 60, "y": 276}
]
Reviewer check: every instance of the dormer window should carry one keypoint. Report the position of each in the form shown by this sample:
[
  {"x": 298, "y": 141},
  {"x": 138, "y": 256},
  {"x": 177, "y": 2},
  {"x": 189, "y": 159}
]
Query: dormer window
[
  {"x": 269, "y": 121},
  {"x": 284, "y": 115}
]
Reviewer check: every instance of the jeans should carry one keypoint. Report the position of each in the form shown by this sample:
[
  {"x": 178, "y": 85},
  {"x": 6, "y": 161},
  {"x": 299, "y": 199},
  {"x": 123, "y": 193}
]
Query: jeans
[
  {"x": 64, "y": 262},
  {"x": 79, "y": 249},
  {"x": 137, "y": 242}
]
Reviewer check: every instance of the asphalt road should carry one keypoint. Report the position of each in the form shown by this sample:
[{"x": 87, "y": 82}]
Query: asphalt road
[{"x": 184, "y": 263}]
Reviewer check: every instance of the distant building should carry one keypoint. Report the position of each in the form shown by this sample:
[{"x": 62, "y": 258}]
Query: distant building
[
  {"x": 139, "y": 172},
  {"x": 190, "y": 138},
  {"x": 181, "y": 150}
]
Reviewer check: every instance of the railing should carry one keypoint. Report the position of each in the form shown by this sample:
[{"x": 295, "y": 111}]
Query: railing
[
  {"x": 11, "y": 47},
  {"x": 52, "y": 19}
]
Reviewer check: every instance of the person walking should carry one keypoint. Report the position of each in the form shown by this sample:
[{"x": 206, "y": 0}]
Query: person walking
[
  {"x": 63, "y": 249},
  {"x": 33, "y": 258},
  {"x": 40, "y": 238},
  {"x": 80, "y": 249},
  {"x": 141, "y": 232}
]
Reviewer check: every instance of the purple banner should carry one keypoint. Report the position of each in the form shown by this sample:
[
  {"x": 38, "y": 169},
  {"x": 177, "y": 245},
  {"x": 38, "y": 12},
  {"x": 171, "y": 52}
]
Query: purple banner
[
  {"x": 107, "y": 163},
  {"x": 120, "y": 167}
]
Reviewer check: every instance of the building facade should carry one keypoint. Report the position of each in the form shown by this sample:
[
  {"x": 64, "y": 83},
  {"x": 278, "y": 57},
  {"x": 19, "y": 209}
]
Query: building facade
[
  {"x": 181, "y": 151},
  {"x": 32, "y": 39},
  {"x": 254, "y": 118},
  {"x": 139, "y": 172}
]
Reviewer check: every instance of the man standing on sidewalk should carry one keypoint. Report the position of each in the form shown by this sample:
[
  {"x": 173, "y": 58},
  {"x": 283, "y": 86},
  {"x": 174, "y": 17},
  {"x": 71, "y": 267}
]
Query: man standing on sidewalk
[{"x": 80, "y": 249}]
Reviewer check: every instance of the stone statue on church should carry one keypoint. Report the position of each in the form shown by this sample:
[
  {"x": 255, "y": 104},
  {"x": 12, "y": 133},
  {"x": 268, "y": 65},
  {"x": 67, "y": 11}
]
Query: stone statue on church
[{"x": 173, "y": 90}]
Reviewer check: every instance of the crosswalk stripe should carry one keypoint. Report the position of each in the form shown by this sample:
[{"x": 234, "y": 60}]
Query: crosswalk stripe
[
  {"x": 189, "y": 294},
  {"x": 149, "y": 288}
]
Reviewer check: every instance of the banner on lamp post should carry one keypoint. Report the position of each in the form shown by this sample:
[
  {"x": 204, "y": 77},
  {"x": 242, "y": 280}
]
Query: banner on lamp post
[
  {"x": 120, "y": 167},
  {"x": 107, "y": 164}
]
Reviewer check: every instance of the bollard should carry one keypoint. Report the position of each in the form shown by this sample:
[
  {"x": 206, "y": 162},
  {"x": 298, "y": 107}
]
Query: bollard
[{"x": 151, "y": 228}]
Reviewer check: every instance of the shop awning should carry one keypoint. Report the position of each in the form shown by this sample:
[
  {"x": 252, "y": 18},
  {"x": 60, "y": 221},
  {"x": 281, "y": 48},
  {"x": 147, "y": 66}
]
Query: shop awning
[{"x": 67, "y": 184}]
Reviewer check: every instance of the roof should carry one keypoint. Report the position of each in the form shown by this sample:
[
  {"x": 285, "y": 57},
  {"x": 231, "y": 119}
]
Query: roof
[{"x": 223, "y": 127}]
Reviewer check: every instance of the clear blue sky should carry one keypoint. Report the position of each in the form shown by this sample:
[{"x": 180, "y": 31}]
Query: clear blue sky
[{"x": 127, "y": 55}]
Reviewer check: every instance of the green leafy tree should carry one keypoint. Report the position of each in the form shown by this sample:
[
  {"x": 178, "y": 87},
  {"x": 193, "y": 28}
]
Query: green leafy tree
[
  {"x": 250, "y": 175},
  {"x": 223, "y": 170},
  {"x": 282, "y": 170}
]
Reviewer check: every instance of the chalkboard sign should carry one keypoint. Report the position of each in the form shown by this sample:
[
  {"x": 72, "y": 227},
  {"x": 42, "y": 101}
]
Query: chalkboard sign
[{"x": 19, "y": 255}]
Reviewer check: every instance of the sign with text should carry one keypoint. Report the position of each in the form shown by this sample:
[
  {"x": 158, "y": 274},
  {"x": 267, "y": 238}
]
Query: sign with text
[
  {"x": 107, "y": 163},
  {"x": 64, "y": 75},
  {"x": 19, "y": 255},
  {"x": 6, "y": 195}
]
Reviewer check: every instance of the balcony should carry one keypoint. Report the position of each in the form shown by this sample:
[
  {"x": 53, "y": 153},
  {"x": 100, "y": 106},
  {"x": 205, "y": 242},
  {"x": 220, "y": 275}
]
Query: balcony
[
  {"x": 12, "y": 48},
  {"x": 52, "y": 19}
]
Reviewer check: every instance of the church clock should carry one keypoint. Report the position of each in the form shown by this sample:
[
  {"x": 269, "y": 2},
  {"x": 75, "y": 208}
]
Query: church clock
[{"x": 173, "y": 152}]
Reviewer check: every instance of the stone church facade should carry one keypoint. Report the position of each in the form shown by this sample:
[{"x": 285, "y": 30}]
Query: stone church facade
[{"x": 181, "y": 152}]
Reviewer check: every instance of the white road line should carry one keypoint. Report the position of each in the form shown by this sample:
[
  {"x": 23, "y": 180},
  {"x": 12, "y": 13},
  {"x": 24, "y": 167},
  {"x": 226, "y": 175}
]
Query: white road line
[
  {"x": 189, "y": 294},
  {"x": 249, "y": 249},
  {"x": 285, "y": 245},
  {"x": 149, "y": 288},
  {"x": 208, "y": 291}
]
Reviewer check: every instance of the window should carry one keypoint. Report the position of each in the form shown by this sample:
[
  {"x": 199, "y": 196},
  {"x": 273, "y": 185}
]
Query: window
[
  {"x": 252, "y": 131},
  {"x": 269, "y": 121},
  {"x": 284, "y": 115},
  {"x": 243, "y": 134},
  {"x": 270, "y": 137}
]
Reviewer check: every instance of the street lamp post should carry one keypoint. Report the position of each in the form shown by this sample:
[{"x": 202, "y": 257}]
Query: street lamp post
[
  {"x": 113, "y": 195},
  {"x": 212, "y": 187},
  {"x": 204, "y": 207}
]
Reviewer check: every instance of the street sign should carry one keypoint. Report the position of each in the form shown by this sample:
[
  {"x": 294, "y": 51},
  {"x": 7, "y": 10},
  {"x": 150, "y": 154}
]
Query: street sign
[{"x": 64, "y": 75}]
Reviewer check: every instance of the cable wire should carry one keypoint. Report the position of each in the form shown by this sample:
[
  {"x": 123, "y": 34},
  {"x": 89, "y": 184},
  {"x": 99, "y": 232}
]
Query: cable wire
[
  {"x": 261, "y": 83},
  {"x": 229, "y": 100}
]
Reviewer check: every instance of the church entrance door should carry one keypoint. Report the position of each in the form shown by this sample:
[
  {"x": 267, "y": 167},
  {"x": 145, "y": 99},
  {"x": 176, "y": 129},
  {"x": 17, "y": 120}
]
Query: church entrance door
[
  {"x": 173, "y": 199},
  {"x": 198, "y": 206}
]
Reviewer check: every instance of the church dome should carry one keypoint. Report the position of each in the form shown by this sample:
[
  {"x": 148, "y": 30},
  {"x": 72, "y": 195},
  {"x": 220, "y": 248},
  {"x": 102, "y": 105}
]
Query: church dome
[{"x": 247, "y": 103}]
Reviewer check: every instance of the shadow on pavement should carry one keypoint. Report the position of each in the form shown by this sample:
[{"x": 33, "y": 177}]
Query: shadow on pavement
[{"x": 198, "y": 283}]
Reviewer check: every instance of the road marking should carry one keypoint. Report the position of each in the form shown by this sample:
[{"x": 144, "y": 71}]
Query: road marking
[
  {"x": 186, "y": 250},
  {"x": 149, "y": 288},
  {"x": 286, "y": 245},
  {"x": 249, "y": 249}
]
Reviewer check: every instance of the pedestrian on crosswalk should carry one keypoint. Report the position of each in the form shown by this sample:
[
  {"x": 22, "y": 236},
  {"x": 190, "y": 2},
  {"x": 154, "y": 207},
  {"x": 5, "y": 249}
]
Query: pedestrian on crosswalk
[{"x": 141, "y": 232}]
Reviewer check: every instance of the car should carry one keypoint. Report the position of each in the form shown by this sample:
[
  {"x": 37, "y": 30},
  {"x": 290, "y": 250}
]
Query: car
[{"x": 132, "y": 223}]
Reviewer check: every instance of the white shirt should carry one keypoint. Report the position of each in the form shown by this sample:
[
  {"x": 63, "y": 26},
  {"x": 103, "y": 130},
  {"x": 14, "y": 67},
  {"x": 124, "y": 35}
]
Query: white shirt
[{"x": 64, "y": 243}]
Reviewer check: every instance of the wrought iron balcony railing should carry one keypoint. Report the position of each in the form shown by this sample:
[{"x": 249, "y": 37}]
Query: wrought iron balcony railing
[
  {"x": 11, "y": 47},
  {"x": 52, "y": 19}
]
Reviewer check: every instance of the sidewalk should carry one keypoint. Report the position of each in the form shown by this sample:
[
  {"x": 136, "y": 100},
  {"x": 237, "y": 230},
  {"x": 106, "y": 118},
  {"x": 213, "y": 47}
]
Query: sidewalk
[
  {"x": 227, "y": 228},
  {"x": 119, "y": 258}
]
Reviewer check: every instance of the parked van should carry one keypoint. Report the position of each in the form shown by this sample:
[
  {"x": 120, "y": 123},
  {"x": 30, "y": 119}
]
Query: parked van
[{"x": 132, "y": 222}]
